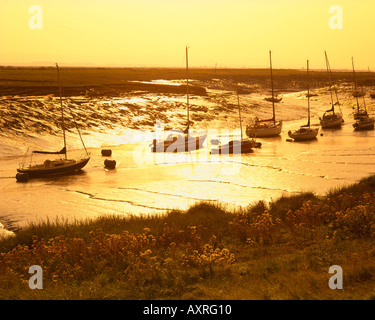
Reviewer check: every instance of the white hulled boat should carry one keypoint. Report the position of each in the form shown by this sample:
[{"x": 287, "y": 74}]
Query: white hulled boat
[
  {"x": 178, "y": 140},
  {"x": 363, "y": 120},
  {"x": 245, "y": 145},
  {"x": 267, "y": 127},
  {"x": 305, "y": 132},
  {"x": 332, "y": 118}
]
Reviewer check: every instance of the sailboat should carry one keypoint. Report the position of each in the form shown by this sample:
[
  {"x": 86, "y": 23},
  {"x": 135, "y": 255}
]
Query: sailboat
[
  {"x": 56, "y": 166},
  {"x": 363, "y": 120},
  {"x": 331, "y": 118},
  {"x": 245, "y": 145},
  {"x": 305, "y": 132},
  {"x": 268, "y": 127},
  {"x": 177, "y": 140}
]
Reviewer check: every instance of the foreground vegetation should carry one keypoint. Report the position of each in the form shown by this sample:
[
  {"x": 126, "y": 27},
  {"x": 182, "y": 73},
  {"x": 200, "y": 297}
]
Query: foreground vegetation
[{"x": 280, "y": 250}]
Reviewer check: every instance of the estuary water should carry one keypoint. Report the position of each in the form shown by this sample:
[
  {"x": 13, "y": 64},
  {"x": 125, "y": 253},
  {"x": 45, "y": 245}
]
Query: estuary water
[{"x": 146, "y": 183}]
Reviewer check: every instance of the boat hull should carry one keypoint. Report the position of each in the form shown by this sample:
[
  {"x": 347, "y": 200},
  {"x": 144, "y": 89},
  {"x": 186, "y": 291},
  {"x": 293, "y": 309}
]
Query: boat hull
[
  {"x": 184, "y": 144},
  {"x": 235, "y": 147},
  {"x": 360, "y": 115},
  {"x": 46, "y": 172},
  {"x": 264, "y": 131},
  {"x": 331, "y": 121},
  {"x": 304, "y": 134},
  {"x": 364, "y": 123},
  {"x": 276, "y": 100}
]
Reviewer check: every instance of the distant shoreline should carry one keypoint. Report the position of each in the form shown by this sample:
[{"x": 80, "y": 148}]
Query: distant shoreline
[
  {"x": 114, "y": 81},
  {"x": 51, "y": 66}
]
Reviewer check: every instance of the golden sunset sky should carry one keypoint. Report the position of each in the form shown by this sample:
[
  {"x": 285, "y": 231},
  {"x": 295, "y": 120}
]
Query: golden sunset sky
[{"x": 154, "y": 33}]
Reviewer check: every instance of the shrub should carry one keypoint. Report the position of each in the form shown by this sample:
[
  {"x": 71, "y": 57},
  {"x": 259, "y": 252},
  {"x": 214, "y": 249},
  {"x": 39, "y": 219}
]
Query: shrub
[
  {"x": 354, "y": 222},
  {"x": 258, "y": 227}
]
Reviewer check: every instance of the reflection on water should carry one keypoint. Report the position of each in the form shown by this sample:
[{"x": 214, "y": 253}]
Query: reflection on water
[{"x": 145, "y": 182}]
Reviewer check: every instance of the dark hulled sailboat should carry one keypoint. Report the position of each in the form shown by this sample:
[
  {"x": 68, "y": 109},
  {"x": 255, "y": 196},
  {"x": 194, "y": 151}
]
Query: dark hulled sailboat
[{"x": 62, "y": 165}]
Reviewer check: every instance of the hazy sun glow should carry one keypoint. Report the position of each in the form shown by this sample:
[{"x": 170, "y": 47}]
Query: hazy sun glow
[{"x": 154, "y": 33}]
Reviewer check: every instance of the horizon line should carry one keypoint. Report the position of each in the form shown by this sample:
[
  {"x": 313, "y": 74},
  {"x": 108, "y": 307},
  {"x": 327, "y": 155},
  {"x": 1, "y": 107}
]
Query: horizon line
[{"x": 52, "y": 66}]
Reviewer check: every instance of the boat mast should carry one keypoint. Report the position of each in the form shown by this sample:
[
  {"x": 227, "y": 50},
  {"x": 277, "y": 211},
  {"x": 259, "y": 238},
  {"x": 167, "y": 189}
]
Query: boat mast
[
  {"x": 187, "y": 86},
  {"x": 239, "y": 112},
  {"x": 308, "y": 94},
  {"x": 62, "y": 109},
  {"x": 372, "y": 76},
  {"x": 273, "y": 101},
  {"x": 330, "y": 78},
  {"x": 355, "y": 85},
  {"x": 80, "y": 136}
]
